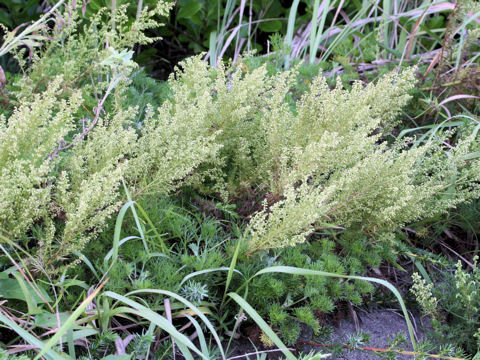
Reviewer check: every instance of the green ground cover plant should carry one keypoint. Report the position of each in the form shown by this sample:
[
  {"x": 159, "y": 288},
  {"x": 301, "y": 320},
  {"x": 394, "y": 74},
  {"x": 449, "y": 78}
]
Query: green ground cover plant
[
  {"x": 461, "y": 306},
  {"x": 142, "y": 219}
]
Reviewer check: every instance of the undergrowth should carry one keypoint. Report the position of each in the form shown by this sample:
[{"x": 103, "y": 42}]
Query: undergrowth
[{"x": 137, "y": 216}]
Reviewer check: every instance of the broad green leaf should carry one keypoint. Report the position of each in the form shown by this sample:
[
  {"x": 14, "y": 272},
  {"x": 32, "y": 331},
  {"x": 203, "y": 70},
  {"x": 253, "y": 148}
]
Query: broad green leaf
[
  {"x": 49, "y": 354},
  {"x": 189, "y": 9},
  {"x": 271, "y": 26},
  {"x": 5, "y": 18},
  {"x": 10, "y": 289}
]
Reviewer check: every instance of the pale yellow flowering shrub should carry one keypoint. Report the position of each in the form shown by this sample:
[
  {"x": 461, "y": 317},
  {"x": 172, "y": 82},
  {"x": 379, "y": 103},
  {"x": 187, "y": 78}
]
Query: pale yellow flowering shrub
[
  {"x": 228, "y": 103},
  {"x": 289, "y": 221},
  {"x": 323, "y": 158},
  {"x": 339, "y": 121},
  {"x": 27, "y": 139},
  {"x": 77, "y": 48},
  {"x": 423, "y": 294},
  {"x": 327, "y": 162},
  {"x": 176, "y": 138},
  {"x": 62, "y": 168},
  {"x": 77, "y": 185}
]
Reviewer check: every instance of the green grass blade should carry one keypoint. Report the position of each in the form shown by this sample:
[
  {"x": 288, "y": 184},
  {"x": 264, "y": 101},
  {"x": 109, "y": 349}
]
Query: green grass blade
[
  {"x": 387, "y": 11},
  {"x": 206, "y": 271},
  {"x": 118, "y": 231},
  {"x": 433, "y": 126},
  {"x": 290, "y": 29},
  {"x": 181, "y": 341},
  {"x": 313, "y": 31},
  {"x": 29, "y": 338},
  {"x": 346, "y": 31},
  {"x": 421, "y": 269},
  {"x": 137, "y": 220},
  {"x": 31, "y": 303},
  {"x": 69, "y": 323},
  {"x": 233, "y": 263},
  {"x": 319, "y": 31},
  {"x": 87, "y": 262},
  {"x": 142, "y": 311},
  {"x": 213, "y": 49},
  {"x": 184, "y": 351},
  {"x": 116, "y": 247},
  {"x": 152, "y": 226},
  {"x": 190, "y": 306},
  {"x": 71, "y": 346},
  {"x": 459, "y": 51},
  {"x": 201, "y": 336},
  {"x": 262, "y": 324}
]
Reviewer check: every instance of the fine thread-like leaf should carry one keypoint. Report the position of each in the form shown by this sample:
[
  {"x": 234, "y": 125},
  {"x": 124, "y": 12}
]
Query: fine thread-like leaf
[{"x": 307, "y": 272}]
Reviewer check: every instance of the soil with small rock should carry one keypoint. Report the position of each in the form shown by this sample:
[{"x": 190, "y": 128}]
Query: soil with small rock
[{"x": 382, "y": 326}]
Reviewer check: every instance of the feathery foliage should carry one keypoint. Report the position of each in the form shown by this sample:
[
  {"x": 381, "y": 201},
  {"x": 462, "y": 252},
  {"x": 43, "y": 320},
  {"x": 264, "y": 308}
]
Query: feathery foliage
[
  {"x": 324, "y": 158},
  {"x": 62, "y": 165}
]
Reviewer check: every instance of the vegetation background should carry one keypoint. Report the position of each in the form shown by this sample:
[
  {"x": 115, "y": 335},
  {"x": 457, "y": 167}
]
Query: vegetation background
[{"x": 179, "y": 179}]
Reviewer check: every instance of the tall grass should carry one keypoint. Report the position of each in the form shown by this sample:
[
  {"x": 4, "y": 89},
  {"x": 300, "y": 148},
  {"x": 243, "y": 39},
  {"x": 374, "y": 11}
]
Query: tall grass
[
  {"x": 401, "y": 26},
  {"x": 31, "y": 35}
]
